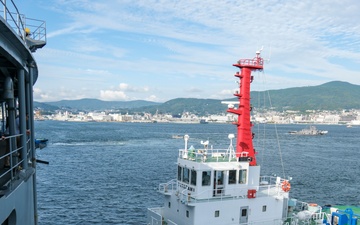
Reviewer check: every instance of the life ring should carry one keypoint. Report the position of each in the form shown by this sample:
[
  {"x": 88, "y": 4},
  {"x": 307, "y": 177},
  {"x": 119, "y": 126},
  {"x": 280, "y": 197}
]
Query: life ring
[{"x": 286, "y": 186}]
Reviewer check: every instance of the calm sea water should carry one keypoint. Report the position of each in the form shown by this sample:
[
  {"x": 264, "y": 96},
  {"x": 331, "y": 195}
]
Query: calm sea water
[{"x": 107, "y": 173}]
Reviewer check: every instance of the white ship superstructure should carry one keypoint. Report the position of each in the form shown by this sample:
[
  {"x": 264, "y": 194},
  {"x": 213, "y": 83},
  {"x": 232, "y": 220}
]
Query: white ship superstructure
[
  {"x": 224, "y": 186},
  {"x": 213, "y": 187}
]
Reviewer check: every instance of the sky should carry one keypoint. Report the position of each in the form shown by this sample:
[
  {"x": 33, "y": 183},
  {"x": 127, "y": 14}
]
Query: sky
[{"x": 158, "y": 50}]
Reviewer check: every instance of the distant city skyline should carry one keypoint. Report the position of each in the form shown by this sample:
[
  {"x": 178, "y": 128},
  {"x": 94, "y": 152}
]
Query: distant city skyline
[
  {"x": 161, "y": 50},
  {"x": 269, "y": 116}
]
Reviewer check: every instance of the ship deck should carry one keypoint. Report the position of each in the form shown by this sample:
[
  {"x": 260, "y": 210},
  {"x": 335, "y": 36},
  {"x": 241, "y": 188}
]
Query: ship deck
[{"x": 208, "y": 155}]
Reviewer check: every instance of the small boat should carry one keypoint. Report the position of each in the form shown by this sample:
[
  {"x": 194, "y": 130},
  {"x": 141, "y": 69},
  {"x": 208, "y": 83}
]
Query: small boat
[
  {"x": 41, "y": 143},
  {"x": 176, "y": 136},
  {"x": 203, "y": 121},
  {"x": 312, "y": 131},
  {"x": 224, "y": 186}
]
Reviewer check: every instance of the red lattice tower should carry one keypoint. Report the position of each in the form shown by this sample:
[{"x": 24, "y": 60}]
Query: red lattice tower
[{"x": 244, "y": 145}]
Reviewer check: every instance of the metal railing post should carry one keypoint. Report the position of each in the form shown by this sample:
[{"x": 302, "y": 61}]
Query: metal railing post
[
  {"x": 4, "y": 3},
  {"x": 22, "y": 118}
]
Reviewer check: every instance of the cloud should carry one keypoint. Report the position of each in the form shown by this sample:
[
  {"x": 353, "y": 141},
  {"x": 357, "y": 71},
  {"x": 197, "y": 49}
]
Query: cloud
[
  {"x": 127, "y": 87},
  {"x": 186, "y": 48},
  {"x": 111, "y": 95},
  {"x": 63, "y": 93},
  {"x": 40, "y": 96},
  {"x": 194, "y": 90},
  {"x": 227, "y": 92},
  {"x": 121, "y": 93},
  {"x": 65, "y": 31},
  {"x": 152, "y": 98}
]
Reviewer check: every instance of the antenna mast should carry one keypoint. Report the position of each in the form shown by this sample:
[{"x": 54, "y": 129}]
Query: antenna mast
[{"x": 244, "y": 145}]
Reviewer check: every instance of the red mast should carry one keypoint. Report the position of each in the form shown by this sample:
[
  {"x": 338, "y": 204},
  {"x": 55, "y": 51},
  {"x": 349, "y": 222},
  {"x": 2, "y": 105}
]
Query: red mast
[{"x": 244, "y": 145}]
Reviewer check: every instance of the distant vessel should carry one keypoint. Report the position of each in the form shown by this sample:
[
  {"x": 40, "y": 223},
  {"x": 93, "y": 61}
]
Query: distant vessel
[
  {"x": 18, "y": 74},
  {"x": 224, "y": 186},
  {"x": 176, "y": 136},
  {"x": 203, "y": 121},
  {"x": 312, "y": 130}
]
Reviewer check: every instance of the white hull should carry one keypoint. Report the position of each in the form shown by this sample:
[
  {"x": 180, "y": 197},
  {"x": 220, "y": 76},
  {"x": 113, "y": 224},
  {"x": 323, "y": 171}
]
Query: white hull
[{"x": 18, "y": 204}]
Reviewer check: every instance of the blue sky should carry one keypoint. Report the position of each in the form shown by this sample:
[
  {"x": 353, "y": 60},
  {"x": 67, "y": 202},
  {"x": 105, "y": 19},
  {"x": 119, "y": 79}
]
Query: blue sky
[{"x": 159, "y": 50}]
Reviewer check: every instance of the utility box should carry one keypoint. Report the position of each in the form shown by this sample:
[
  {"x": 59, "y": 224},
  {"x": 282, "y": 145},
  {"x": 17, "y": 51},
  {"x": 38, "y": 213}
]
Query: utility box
[{"x": 251, "y": 193}]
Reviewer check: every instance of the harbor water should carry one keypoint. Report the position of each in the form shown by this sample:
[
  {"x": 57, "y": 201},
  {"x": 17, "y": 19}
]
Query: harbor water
[{"x": 108, "y": 173}]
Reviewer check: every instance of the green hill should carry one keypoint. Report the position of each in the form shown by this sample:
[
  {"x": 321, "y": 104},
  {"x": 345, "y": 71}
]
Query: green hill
[
  {"x": 329, "y": 96},
  {"x": 334, "y": 95},
  {"x": 179, "y": 105},
  {"x": 94, "y": 104}
]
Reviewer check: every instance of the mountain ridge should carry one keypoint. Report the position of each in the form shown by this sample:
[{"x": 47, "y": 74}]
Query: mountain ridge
[{"x": 334, "y": 95}]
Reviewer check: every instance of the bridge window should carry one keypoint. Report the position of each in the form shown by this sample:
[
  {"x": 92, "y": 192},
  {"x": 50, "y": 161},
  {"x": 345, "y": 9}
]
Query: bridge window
[
  {"x": 264, "y": 208},
  {"x": 193, "y": 177},
  {"x": 242, "y": 176},
  {"x": 243, "y": 212},
  {"x": 217, "y": 213},
  {"x": 186, "y": 174},
  {"x": 179, "y": 173},
  {"x": 206, "y": 178},
  {"x": 232, "y": 176},
  {"x": 219, "y": 177}
]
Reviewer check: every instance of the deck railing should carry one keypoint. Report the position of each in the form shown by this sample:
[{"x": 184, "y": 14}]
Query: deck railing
[
  {"x": 208, "y": 155},
  {"x": 10, "y": 173},
  {"x": 257, "y": 63},
  {"x": 20, "y": 23},
  {"x": 271, "y": 188},
  {"x": 155, "y": 216},
  {"x": 168, "y": 187}
]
